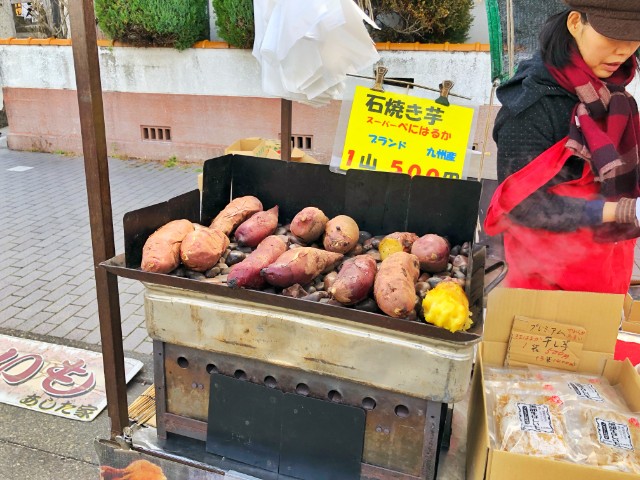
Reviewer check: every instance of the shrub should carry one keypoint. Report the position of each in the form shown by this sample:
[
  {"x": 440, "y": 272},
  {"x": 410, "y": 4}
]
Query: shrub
[
  {"x": 425, "y": 21},
  {"x": 235, "y": 22},
  {"x": 166, "y": 23}
]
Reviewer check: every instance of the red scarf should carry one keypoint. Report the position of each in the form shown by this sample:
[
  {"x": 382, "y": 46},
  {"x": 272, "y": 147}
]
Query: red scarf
[{"x": 604, "y": 129}]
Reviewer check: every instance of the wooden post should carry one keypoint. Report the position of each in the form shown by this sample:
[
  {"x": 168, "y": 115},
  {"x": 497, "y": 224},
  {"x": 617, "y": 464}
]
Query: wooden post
[
  {"x": 94, "y": 146},
  {"x": 286, "y": 116}
]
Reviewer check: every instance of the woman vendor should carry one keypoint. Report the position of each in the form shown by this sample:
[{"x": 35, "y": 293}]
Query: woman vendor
[{"x": 568, "y": 138}]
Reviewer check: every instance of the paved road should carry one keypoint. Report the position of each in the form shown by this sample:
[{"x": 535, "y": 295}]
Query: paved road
[{"x": 47, "y": 283}]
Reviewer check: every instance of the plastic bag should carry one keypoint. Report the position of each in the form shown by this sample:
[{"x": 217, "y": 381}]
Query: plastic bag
[
  {"x": 605, "y": 438},
  {"x": 532, "y": 424},
  {"x": 307, "y": 48}
]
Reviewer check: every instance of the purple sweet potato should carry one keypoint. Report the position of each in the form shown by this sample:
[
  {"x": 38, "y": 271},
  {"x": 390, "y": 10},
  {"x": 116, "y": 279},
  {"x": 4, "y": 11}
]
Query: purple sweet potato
[
  {"x": 236, "y": 212},
  {"x": 246, "y": 274},
  {"x": 202, "y": 248},
  {"x": 257, "y": 227},
  {"x": 394, "y": 286},
  {"x": 161, "y": 251},
  {"x": 432, "y": 251},
  {"x": 341, "y": 234},
  {"x": 309, "y": 224},
  {"x": 355, "y": 280},
  {"x": 299, "y": 265}
]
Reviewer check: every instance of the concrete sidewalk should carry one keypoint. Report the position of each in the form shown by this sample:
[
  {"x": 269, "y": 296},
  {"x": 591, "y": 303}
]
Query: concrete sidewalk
[
  {"x": 47, "y": 282},
  {"x": 47, "y": 292}
]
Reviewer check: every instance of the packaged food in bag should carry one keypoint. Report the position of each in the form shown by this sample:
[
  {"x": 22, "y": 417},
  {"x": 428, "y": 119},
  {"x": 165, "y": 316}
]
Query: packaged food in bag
[
  {"x": 606, "y": 438},
  {"x": 532, "y": 424}
]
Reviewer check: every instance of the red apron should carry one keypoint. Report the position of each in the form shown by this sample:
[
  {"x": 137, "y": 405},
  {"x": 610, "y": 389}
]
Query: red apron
[{"x": 542, "y": 260}]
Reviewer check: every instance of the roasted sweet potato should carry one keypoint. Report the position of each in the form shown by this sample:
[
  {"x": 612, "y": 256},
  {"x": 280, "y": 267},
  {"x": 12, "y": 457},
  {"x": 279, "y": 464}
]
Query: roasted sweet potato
[
  {"x": 309, "y": 224},
  {"x": 137, "y": 470},
  {"x": 432, "y": 251},
  {"x": 447, "y": 306},
  {"x": 299, "y": 265},
  {"x": 161, "y": 251},
  {"x": 236, "y": 212},
  {"x": 202, "y": 248},
  {"x": 355, "y": 280},
  {"x": 257, "y": 227},
  {"x": 341, "y": 234},
  {"x": 394, "y": 286},
  {"x": 246, "y": 274}
]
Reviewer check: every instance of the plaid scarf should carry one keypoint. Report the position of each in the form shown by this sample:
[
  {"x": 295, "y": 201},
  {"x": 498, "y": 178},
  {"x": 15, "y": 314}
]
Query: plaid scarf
[{"x": 604, "y": 129}]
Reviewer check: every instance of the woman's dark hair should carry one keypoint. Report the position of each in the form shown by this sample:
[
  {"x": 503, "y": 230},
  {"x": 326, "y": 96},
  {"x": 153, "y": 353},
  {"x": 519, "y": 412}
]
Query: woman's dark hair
[{"x": 556, "y": 43}]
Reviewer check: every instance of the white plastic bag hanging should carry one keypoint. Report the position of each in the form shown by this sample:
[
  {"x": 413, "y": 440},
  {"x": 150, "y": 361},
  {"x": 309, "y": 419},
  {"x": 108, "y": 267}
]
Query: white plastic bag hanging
[{"x": 307, "y": 48}]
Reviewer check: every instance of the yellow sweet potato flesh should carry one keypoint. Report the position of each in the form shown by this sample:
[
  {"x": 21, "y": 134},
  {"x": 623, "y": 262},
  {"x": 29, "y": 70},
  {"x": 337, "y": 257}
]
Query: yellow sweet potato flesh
[
  {"x": 447, "y": 306},
  {"x": 389, "y": 246}
]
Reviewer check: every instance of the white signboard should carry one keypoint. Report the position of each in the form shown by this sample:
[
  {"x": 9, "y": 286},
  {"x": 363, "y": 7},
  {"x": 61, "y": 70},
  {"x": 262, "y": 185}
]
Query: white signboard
[{"x": 54, "y": 379}]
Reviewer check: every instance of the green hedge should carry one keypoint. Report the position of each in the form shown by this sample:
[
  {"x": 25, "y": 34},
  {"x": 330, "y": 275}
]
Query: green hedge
[
  {"x": 235, "y": 22},
  {"x": 166, "y": 23},
  {"x": 424, "y": 21}
]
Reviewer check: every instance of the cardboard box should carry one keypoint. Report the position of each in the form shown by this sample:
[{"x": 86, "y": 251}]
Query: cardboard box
[
  {"x": 631, "y": 327},
  {"x": 262, "y": 147},
  {"x": 631, "y": 322},
  {"x": 632, "y": 305},
  {"x": 244, "y": 146},
  {"x": 600, "y": 315}
]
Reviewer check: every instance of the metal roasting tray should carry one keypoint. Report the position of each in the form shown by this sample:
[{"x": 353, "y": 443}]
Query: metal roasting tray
[{"x": 407, "y": 357}]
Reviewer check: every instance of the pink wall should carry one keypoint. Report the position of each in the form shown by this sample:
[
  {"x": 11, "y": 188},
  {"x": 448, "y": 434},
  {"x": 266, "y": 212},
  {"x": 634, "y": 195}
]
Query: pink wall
[{"x": 201, "y": 126}]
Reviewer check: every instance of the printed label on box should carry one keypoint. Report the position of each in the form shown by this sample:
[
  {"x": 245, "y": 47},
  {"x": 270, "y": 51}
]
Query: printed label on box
[
  {"x": 584, "y": 390},
  {"x": 535, "y": 418},
  {"x": 614, "y": 434}
]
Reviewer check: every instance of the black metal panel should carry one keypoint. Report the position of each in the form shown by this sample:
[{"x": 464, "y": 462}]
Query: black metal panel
[
  {"x": 292, "y": 186},
  {"x": 475, "y": 286},
  {"x": 140, "y": 224},
  {"x": 244, "y": 422},
  {"x": 377, "y": 200},
  {"x": 321, "y": 439},
  {"x": 444, "y": 206},
  {"x": 216, "y": 186}
]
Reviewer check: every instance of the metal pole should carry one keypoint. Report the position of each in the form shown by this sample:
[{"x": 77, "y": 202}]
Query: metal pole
[{"x": 94, "y": 146}]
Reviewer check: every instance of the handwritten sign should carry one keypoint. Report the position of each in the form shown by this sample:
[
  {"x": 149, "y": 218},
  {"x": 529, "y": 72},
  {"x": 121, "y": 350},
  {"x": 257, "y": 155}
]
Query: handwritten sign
[
  {"x": 545, "y": 343},
  {"x": 54, "y": 379},
  {"x": 392, "y": 132}
]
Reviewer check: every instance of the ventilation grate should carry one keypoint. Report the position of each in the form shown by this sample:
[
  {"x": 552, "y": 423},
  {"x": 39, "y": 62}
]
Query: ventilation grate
[
  {"x": 303, "y": 142},
  {"x": 155, "y": 134}
]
